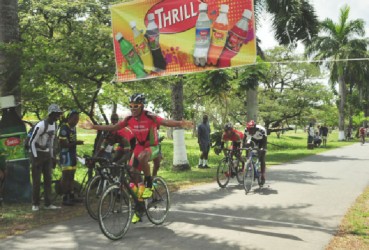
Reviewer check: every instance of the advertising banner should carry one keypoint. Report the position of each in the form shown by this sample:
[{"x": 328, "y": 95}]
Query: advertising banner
[{"x": 156, "y": 38}]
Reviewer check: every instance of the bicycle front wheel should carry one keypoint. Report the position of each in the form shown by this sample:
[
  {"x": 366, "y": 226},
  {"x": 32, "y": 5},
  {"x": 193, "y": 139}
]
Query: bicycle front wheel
[
  {"x": 223, "y": 173},
  {"x": 115, "y": 212},
  {"x": 248, "y": 177},
  {"x": 239, "y": 172},
  {"x": 94, "y": 191},
  {"x": 157, "y": 207}
]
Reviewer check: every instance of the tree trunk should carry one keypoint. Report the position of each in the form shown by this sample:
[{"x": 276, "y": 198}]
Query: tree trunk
[
  {"x": 252, "y": 104},
  {"x": 10, "y": 59},
  {"x": 180, "y": 162},
  {"x": 341, "y": 108}
]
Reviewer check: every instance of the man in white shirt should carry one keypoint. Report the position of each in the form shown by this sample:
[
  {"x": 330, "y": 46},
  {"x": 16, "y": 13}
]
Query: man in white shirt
[{"x": 42, "y": 156}]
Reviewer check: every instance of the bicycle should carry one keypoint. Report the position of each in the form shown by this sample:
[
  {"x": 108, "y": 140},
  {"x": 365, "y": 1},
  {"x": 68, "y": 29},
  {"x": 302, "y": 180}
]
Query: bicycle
[
  {"x": 229, "y": 168},
  {"x": 253, "y": 170},
  {"x": 97, "y": 184},
  {"x": 119, "y": 202}
]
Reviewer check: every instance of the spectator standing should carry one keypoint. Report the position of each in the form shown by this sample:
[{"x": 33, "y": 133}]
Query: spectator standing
[
  {"x": 68, "y": 156},
  {"x": 310, "y": 131},
  {"x": 203, "y": 138},
  {"x": 42, "y": 156},
  {"x": 323, "y": 132}
]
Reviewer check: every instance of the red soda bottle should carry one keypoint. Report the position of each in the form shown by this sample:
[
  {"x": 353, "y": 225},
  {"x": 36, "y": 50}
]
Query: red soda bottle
[{"x": 236, "y": 37}]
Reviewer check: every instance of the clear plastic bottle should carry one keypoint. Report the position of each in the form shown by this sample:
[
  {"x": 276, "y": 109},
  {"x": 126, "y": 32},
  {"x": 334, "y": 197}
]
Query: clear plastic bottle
[
  {"x": 203, "y": 32},
  {"x": 131, "y": 56},
  {"x": 142, "y": 48},
  {"x": 152, "y": 36},
  {"x": 219, "y": 35},
  {"x": 236, "y": 38}
]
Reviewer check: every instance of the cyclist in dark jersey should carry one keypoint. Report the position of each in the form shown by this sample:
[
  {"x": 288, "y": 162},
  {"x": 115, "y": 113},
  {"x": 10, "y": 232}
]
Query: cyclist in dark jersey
[
  {"x": 144, "y": 126},
  {"x": 258, "y": 135}
]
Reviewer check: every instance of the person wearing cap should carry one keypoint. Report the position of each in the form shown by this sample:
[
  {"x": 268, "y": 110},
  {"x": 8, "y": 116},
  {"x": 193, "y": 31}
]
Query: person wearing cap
[
  {"x": 257, "y": 134},
  {"x": 144, "y": 125},
  {"x": 68, "y": 156},
  {"x": 42, "y": 156}
]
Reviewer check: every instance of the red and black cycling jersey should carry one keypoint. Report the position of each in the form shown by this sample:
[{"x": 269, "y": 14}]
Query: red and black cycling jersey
[
  {"x": 144, "y": 128},
  {"x": 362, "y": 131},
  {"x": 235, "y": 137}
]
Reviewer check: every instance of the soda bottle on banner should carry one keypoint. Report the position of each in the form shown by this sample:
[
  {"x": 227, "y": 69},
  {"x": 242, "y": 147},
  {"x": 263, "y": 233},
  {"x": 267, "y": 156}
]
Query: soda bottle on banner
[
  {"x": 152, "y": 36},
  {"x": 17, "y": 187},
  {"x": 236, "y": 38},
  {"x": 219, "y": 36},
  {"x": 202, "y": 43},
  {"x": 129, "y": 53},
  {"x": 142, "y": 48}
]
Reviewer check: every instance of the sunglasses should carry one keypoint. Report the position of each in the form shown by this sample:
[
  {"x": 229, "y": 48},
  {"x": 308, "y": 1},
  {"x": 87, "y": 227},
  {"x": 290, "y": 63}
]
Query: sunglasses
[{"x": 134, "y": 106}]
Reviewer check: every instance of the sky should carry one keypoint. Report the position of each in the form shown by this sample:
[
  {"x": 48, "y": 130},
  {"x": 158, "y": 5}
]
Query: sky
[{"x": 324, "y": 9}]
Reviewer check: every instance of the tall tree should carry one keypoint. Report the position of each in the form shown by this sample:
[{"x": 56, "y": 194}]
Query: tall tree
[
  {"x": 180, "y": 161},
  {"x": 9, "y": 51},
  {"x": 340, "y": 41},
  {"x": 292, "y": 21}
]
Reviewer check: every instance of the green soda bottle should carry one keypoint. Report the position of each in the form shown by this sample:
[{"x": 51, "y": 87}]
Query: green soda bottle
[
  {"x": 129, "y": 53},
  {"x": 12, "y": 135}
]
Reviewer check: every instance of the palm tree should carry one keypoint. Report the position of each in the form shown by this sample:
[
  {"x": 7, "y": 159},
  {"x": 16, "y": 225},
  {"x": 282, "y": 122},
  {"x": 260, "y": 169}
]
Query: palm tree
[
  {"x": 9, "y": 58},
  {"x": 340, "y": 41},
  {"x": 292, "y": 21}
]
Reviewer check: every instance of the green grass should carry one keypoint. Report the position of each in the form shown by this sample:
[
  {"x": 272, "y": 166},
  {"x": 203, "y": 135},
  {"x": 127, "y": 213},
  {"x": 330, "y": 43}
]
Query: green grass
[{"x": 354, "y": 228}]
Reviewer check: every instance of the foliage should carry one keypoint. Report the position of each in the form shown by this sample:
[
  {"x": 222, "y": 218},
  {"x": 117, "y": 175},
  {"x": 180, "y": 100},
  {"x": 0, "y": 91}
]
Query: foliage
[
  {"x": 289, "y": 90},
  {"x": 67, "y": 52}
]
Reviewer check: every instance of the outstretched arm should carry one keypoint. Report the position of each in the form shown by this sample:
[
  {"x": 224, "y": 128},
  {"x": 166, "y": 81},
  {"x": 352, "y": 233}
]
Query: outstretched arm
[
  {"x": 174, "y": 123},
  {"x": 89, "y": 125}
]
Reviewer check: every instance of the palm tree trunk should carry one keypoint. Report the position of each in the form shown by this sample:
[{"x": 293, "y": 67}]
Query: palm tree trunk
[
  {"x": 341, "y": 108},
  {"x": 180, "y": 162},
  {"x": 9, "y": 60},
  {"x": 252, "y": 104}
]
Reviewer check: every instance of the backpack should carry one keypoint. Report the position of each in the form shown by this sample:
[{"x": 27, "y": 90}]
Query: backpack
[
  {"x": 27, "y": 145},
  {"x": 56, "y": 144}
]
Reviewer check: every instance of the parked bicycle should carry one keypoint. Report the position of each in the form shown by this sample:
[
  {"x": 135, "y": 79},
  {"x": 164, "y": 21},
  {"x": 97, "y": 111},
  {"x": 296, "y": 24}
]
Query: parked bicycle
[
  {"x": 253, "y": 169},
  {"x": 119, "y": 202},
  {"x": 230, "y": 167}
]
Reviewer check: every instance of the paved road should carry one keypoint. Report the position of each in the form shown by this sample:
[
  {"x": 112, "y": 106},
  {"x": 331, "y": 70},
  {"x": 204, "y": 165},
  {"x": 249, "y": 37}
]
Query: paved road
[{"x": 301, "y": 209}]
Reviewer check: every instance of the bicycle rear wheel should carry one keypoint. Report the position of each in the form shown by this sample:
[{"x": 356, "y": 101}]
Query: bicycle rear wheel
[
  {"x": 157, "y": 207},
  {"x": 223, "y": 173},
  {"x": 115, "y": 212},
  {"x": 94, "y": 191},
  {"x": 248, "y": 177}
]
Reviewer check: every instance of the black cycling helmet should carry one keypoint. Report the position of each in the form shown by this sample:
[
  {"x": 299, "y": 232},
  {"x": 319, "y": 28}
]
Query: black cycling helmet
[
  {"x": 228, "y": 126},
  {"x": 137, "y": 98}
]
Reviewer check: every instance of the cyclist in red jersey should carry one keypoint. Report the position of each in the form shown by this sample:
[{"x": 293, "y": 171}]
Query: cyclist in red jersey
[
  {"x": 144, "y": 126},
  {"x": 236, "y": 137},
  {"x": 362, "y": 133}
]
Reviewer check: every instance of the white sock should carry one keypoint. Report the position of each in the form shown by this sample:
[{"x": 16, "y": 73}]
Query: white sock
[
  {"x": 200, "y": 162},
  {"x": 205, "y": 162}
]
